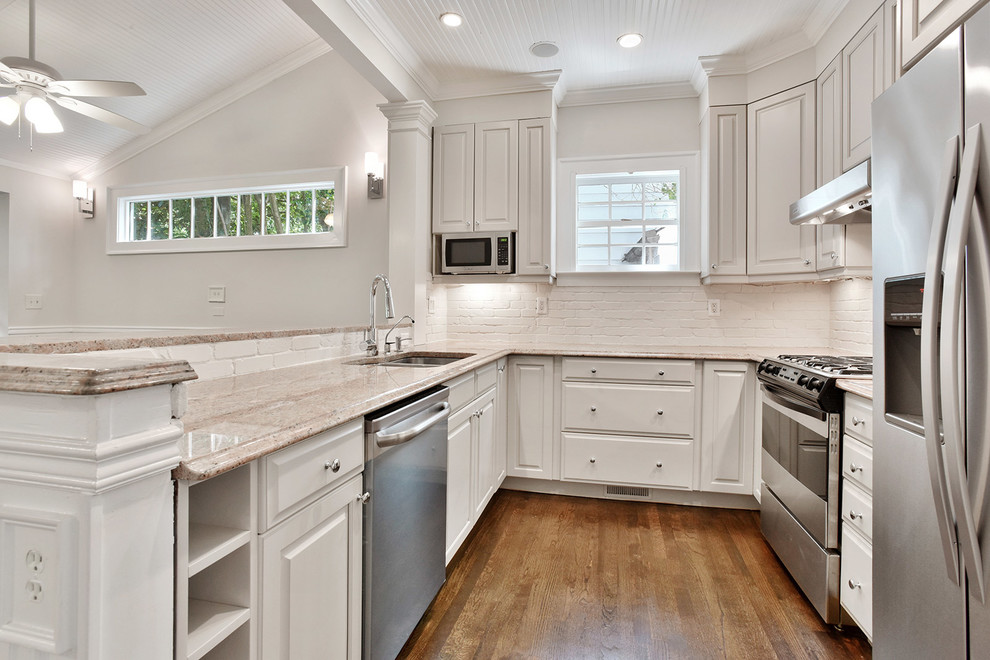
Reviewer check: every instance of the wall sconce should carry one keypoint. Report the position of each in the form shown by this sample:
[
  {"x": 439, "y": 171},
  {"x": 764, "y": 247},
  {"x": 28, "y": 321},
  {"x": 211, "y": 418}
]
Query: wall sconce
[
  {"x": 84, "y": 196},
  {"x": 376, "y": 174}
]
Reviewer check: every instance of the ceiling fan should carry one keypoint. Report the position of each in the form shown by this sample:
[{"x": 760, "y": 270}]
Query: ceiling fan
[{"x": 29, "y": 84}]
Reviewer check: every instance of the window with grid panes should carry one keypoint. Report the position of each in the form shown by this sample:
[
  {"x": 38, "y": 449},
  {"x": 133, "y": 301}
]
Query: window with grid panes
[{"x": 628, "y": 221}]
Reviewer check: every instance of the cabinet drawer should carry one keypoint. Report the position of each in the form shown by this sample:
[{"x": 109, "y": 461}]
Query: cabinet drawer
[
  {"x": 296, "y": 475},
  {"x": 857, "y": 509},
  {"x": 857, "y": 462},
  {"x": 639, "y": 409},
  {"x": 856, "y": 589},
  {"x": 485, "y": 377},
  {"x": 646, "y": 371},
  {"x": 858, "y": 419},
  {"x": 461, "y": 391},
  {"x": 618, "y": 460}
]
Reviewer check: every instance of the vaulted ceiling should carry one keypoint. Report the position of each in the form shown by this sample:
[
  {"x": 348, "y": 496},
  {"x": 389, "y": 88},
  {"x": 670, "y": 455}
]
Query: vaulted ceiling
[{"x": 186, "y": 54}]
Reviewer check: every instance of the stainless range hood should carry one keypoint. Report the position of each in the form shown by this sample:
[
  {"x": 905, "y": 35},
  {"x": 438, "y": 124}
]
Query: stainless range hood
[{"x": 845, "y": 200}]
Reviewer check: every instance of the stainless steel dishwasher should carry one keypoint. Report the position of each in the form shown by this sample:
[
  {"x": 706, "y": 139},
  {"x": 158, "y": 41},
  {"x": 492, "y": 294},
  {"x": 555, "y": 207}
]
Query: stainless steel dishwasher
[{"x": 405, "y": 474}]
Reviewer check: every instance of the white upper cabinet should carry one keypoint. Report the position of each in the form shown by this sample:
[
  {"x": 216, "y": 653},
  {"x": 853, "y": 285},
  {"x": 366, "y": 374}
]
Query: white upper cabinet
[
  {"x": 453, "y": 178},
  {"x": 496, "y": 176},
  {"x": 925, "y": 22},
  {"x": 862, "y": 81},
  {"x": 830, "y": 237},
  {"x": 723, "y": 152},
  {"x": 781, "y": 169},
  {"x": 535, "y": 240}
]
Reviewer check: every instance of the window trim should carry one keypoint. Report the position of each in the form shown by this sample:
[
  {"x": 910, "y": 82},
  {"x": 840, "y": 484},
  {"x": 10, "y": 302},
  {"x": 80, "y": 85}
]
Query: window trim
[
  {"x": 687, "y": 163},
  {"x": 238, "y": 184}
]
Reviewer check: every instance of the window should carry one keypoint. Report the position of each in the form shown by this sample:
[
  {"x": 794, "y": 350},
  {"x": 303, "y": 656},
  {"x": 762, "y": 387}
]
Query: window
[
  {"x": 209, "y": 216},
  {"x": 628, "y": 220}
]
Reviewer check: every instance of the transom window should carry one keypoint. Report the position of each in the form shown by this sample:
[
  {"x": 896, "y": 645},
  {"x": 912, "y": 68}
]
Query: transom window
[
  {"x": 301, "y": 209},
  {"x": 628, "y": 221}
]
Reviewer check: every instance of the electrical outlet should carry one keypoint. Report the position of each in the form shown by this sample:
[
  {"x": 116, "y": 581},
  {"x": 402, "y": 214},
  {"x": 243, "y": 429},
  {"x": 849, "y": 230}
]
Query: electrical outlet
[
  {"x": 216, "y": 294},
  {"x": 431, "y": 305},
  {"x": 32, "y": 301},
  {"x": 714, "y": 307},
  {"x": 541, "y": 306},
  {"x": 217, "y": 310}
]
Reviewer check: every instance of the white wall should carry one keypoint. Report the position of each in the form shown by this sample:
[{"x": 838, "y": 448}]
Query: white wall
[
  {"x": 321, "y": 115},
  {"x": 622, "y": 129},
  {"x": 39, "y": 247}
]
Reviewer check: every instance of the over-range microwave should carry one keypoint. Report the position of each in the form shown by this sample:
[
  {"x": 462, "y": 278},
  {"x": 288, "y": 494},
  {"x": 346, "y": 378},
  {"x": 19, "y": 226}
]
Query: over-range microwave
[{"x": 478, "y": 252}]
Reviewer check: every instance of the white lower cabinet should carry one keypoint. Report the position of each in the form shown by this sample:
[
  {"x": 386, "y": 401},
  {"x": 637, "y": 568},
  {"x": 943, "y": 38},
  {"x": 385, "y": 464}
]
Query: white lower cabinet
[
  {"x": 530, "y": 417},
  {"x": 856, "y": 589},
  {"x": 311, "y": 580},
  {"x": 612, "y": 459},
  {"x": 728, "y": 434}
]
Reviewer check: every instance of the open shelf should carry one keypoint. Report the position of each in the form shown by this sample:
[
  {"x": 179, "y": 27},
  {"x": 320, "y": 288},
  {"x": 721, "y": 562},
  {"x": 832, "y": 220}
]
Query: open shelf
[
  {"x": 211, "y": 543},
  {"x": 210, "y": 623}
]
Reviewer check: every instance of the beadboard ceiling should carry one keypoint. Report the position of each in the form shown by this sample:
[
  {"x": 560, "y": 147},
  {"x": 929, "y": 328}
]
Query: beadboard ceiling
[{"x": 192, "y": 55}]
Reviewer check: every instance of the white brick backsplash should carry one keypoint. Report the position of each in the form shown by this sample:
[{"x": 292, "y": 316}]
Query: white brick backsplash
[
  {"x": 851, "y": 302},
  {"x": 274, "y": 345},
  {"x": 215, "y": 369},
  {"x": 235, "y": 349},
  {"x": 251, "y": 365},
  {"x": 305, "y": 342},
  {"x": 191, "y": 353}
]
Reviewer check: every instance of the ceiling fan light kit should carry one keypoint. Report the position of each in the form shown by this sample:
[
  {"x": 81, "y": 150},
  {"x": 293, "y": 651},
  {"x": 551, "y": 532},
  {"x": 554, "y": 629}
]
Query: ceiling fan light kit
[{"x": 9, "y": 109}]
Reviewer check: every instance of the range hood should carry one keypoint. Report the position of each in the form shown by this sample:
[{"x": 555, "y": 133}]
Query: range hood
[{"x": 845, "y": 200}]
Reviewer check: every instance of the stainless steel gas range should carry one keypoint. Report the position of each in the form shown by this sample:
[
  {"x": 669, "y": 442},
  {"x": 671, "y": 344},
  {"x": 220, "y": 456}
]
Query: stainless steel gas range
[{"x": 801, "y": 439}]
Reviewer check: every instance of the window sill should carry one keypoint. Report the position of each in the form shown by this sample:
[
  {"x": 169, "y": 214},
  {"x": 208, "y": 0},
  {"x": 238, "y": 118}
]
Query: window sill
[{"x": 661, "y": 278}]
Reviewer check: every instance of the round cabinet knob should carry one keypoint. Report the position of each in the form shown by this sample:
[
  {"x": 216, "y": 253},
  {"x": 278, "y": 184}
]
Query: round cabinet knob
[
  {"x": 659, "y": 464},
  {"x": 853, "y": 515},
  {"x": 853, "y": 584},
  {"x": 660, "y": 373},
  {"x": 364, "y": 497},
  {"x": 594, "y": 408},
  {"x": 594, "y": 371},
  {"x": 714, "y": 266},
  {"x": 807, "y": 262},
  {"x": 546, "y": 266},
  {"x": 592, "y": 459},
  {"x": 467, "y": 223},
  {"x": 855, "y": 468},
  {"x": 333, "y": 466},
  {"x": 857, "y": 421},
  {"x": 660, "y": 412},
  {"x": 834, "y": 256}
]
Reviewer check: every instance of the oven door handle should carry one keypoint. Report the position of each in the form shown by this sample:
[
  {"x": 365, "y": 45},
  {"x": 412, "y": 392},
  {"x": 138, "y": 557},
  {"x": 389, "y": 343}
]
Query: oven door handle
[
  {"x": 930, "y": 408},
  {"x": 793, "y": 404}
]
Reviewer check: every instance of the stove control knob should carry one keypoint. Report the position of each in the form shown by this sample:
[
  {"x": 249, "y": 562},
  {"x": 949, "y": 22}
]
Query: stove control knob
[
  {"x": 802, "y": 380},
  {"x": 776, "y": 370},
  {"x": 815, "y": 384}
]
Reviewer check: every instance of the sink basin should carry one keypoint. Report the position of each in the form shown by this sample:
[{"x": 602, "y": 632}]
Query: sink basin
[{"x": 413, "y": 359}]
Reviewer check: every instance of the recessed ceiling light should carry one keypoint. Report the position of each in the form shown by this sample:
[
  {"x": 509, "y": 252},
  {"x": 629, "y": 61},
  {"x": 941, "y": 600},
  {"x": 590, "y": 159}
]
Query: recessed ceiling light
[
  {"x": 450, "y": 19},
  {"x": 544, "y": 49},
  {"x": 630, "y": 40}
]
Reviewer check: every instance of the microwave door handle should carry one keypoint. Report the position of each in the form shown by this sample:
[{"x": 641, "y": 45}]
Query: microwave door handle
[
  {"x": 929, "y": 358},
  {"x": 952, "y": 362}
]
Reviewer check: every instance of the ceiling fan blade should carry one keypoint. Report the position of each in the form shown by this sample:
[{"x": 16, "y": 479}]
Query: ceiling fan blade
[
  {"x": 95, "y": 88},
  {"x": 99, "y": 114},
  {"x": 8, "y": 74}
]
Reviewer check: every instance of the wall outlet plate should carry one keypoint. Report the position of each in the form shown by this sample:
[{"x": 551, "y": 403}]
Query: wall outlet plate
[
  {"x": 216, "y": 294},
  {"x": 542, "y": 307},
  {"x": 32, "y": 301},
  {"x": 714, "y": 307}
]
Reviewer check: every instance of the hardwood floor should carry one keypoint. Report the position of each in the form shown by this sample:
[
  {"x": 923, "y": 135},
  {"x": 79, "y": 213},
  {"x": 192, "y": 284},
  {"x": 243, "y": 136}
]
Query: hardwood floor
[{"x": 546, "y": 576}]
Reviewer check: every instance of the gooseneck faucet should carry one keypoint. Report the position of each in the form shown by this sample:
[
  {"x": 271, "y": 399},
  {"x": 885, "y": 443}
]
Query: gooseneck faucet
[
  {"x": 371, "y": 334},
  {"x": 398, "y": 338}
]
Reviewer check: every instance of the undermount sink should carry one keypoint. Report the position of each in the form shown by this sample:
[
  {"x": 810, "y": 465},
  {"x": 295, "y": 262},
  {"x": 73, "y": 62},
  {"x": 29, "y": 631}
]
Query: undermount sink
[{"x": 413, "y": 359}]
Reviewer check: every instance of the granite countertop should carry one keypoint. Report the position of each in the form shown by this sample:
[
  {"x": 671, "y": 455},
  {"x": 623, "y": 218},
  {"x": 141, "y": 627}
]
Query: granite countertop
[
  {"x": 87, "y": 374},
  {"x": 861, "y": 386},
  {"x": 232, "y": 421}
]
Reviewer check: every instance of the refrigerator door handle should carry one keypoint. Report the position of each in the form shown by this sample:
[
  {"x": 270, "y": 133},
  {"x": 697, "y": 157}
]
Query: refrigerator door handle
[
  {"x": 952, "y": 359},
  {"x": 929, "y": 358}
]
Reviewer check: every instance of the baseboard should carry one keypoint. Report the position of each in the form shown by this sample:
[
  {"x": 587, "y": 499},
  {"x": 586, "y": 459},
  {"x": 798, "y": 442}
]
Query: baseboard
[{"x": 657, "y": 495}]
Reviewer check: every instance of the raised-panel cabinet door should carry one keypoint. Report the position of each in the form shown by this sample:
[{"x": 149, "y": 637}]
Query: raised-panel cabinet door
[
  {"x": 727, "y": 433},
  {"x": 496, "y": 184},
  {"x": 830, "y": 237},
  {"x": 781, "y": 159},
  {"x": 725, "y": 137},
  {"x": 925, "y": 22},
  {"x": 862, "y": 81},
  {"x": 311, "y": 581},
  {"x": 891, "y": 43},
  {"x": 530, "y": 429},
  {"x": 453, "y": 178},
  {"x": 459, "y": 510},
  {"x": 484, "y": 438},
  {"x": 534, "y": 241}
]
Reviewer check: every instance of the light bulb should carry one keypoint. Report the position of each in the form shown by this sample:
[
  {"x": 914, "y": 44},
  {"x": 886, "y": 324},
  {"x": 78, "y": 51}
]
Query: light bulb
[
  {"x": 40, "y": 114},
  {"x": 630, "y": 40},
  {"x": 450, "y": 19},
  {"x": 370, "y": 162},
  {"x": 9, "y": 109}
]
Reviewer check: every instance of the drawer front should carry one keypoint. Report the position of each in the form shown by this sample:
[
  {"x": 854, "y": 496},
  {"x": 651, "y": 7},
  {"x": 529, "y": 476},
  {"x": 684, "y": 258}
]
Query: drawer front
[
  {"x": 485, "y": 377},
  {"x": 857, "y": 509},
  {"x": 461, "y": 391},
  {"x": 618, "y": 460},
  {"x": 857, "y": 462},
  {"x": 644, "y": 371},
  {"x": 298, "y": 474},
  {"x": 856, "y": 590},
  {"x": 639, "y": 409},
  {"x": 858, "y": 418}
]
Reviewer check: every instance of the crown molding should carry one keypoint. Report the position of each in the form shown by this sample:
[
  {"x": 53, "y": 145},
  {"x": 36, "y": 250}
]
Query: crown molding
[
  {"x": 820, "y": 20},
  {"x": 711, "y": 66},
  {"x": 516, "y": 83},
  {"x": 629, "y": 94},
  {"x": 218, "y": 101}
]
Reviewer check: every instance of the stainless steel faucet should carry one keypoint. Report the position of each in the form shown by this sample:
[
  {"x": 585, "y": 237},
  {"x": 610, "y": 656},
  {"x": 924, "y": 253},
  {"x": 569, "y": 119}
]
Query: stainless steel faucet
[
  {"x": 371, "y": 334},
  {"x": 398, "y": 338}
]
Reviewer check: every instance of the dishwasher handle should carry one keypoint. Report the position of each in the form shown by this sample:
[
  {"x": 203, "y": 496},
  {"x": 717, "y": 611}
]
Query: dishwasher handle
[{"x": 385, "y": 439}]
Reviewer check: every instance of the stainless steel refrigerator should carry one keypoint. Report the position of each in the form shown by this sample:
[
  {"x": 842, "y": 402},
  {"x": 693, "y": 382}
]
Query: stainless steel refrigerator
[{"x": 931, "y": 182}]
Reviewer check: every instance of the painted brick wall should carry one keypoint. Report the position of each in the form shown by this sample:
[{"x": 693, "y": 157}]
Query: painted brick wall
[{"x": 851, "y": 302}]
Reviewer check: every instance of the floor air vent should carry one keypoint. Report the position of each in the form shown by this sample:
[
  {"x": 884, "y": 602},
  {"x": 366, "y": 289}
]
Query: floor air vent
[{"x": 626, "y": 491}]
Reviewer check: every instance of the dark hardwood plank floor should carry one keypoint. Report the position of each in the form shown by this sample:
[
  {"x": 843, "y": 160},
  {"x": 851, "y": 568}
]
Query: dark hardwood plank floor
[{"x": 546, "y": 576}]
